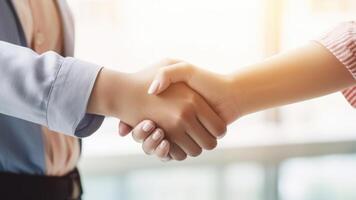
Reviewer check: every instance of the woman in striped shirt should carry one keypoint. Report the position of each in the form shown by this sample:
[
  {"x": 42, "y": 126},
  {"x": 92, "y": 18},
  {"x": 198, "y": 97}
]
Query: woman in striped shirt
[{"x": 321, "y": 67}]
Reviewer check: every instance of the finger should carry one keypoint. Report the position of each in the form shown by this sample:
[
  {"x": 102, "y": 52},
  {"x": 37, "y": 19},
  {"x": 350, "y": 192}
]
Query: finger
[
  {"x": 179, "y": 72},
  {"x": 152, "y": 142},
  {"x": 162, "y": 150},
  {"x": 210, "y": 120},
  {"x": 187, "y": 144},
  {"x": 176, "y": 153},
  {"x": 124, "y": 128},
  {"x": 143, "y": 130},
  {"x": 200, "y": 134}
]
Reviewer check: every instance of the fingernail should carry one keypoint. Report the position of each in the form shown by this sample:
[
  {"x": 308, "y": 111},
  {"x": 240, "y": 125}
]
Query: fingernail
[
  {"x": 156, "y": 135},
  {"x": 163, "y": 144},
  {"x": 147, "y": 127},
  {"x": 153, "y": 87}
]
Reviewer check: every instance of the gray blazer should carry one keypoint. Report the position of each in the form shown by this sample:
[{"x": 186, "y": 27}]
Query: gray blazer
[{"x": 48, "y": 90}]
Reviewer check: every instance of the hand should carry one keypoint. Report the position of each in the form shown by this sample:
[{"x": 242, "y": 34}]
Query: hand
[
  {"x": 204, "y": 82},
  {"x": 151, "y": 137},
  {"x": 217, "y": 89},
  {"x": 189, "y": 122}
]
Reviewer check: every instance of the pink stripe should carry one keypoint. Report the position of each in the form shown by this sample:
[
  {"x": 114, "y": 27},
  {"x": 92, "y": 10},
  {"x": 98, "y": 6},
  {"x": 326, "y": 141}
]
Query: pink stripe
[
  {"x": 337, "y": 38},
  {"x": 347, "y": 92},
  {"x": 353, "y": 102},
  {"x": 342, "y": 43},
  {"x": 350, "y": 61},
  {"x": 350, "y": 53},
  {"x": 341, "y": 47},
  {"x": 353, "y": 48},
  {"x": 353, "y": 68},
  {"x": 339, "y": 44},
  {"x": 351, "y": 95},
  {"x": 334, "y": 42},
  {"x": 334, "y": 46},
  {"x": 346, "y": 56}
]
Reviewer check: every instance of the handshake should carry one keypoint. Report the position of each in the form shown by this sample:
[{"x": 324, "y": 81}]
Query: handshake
[{"x": 175, "y": 108}]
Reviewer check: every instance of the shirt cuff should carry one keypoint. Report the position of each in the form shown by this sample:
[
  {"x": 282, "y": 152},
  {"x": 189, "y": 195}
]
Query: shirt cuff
[
  {"x": 69, "y": 96},
  {"x": 341, "y": 42}
]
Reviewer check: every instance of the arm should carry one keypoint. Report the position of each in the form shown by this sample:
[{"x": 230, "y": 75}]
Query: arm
[{"x": 306, "y": 72}]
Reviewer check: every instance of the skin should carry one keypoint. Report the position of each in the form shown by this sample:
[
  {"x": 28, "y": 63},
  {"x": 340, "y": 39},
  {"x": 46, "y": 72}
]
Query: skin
[
  {"x": 300, "y": 74},
  {"x": 158, "y": 147},
  {"x": 190, "y": 123}
]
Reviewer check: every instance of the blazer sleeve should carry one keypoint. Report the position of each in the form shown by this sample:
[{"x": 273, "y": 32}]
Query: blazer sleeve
[{"x": 47, "y": 89}]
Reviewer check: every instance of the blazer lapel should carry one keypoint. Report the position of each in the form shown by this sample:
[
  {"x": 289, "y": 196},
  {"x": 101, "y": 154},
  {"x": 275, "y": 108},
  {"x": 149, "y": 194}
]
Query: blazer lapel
[{"x": 11, "y": 30}]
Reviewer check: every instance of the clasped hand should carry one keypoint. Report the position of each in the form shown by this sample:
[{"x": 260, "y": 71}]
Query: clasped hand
[{"x": 183, "y": 123}]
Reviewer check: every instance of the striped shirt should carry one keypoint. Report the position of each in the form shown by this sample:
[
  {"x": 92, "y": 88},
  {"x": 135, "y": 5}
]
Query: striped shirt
[{"x": 341, "y": 42}]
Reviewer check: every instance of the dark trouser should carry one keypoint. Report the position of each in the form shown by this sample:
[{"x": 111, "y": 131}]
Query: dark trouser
[{"x": 28, "y": 187}]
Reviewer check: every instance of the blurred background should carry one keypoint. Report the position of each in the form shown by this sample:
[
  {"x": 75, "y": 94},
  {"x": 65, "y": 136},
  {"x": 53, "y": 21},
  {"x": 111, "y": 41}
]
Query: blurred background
[{"x": 303, "y": 151}]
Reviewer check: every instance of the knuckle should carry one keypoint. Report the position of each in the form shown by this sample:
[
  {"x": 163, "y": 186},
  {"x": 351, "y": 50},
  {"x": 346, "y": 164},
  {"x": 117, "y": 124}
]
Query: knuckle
[
  {"x": 192, "y": 99},
  {"x": 189, "y": 68},
  {"x": 163, "y": 72},
  {"x": 176, "y": 121},
  {"x": 186, "y": 65},
  {"x": 184, "y": 114}
]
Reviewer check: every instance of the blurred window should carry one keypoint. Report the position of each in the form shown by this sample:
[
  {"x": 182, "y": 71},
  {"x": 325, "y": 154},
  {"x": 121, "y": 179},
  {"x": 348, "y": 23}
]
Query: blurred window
[
  {"x": 222, "y": 36},
  {"x": 327, "y": 178}
]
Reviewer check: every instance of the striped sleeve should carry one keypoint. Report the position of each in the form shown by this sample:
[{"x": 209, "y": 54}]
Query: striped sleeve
[{"x": 341, "y": 42}]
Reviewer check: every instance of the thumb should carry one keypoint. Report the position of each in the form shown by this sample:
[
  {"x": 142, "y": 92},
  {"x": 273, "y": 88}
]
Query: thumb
[
  {"x": 124, "y": 129},
  {"x": 179, "y": 72}
]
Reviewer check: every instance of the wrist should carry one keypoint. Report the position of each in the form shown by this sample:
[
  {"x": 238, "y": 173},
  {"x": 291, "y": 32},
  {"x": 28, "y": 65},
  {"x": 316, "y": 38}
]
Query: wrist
[
  {"x": 107, "y": 95},
  {"x": 237, "y": 89}
]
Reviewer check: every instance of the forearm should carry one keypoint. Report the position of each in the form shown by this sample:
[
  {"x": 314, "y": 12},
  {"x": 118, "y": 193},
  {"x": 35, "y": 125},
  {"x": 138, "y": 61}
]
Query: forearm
[{"x": 297, "y": 75}]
